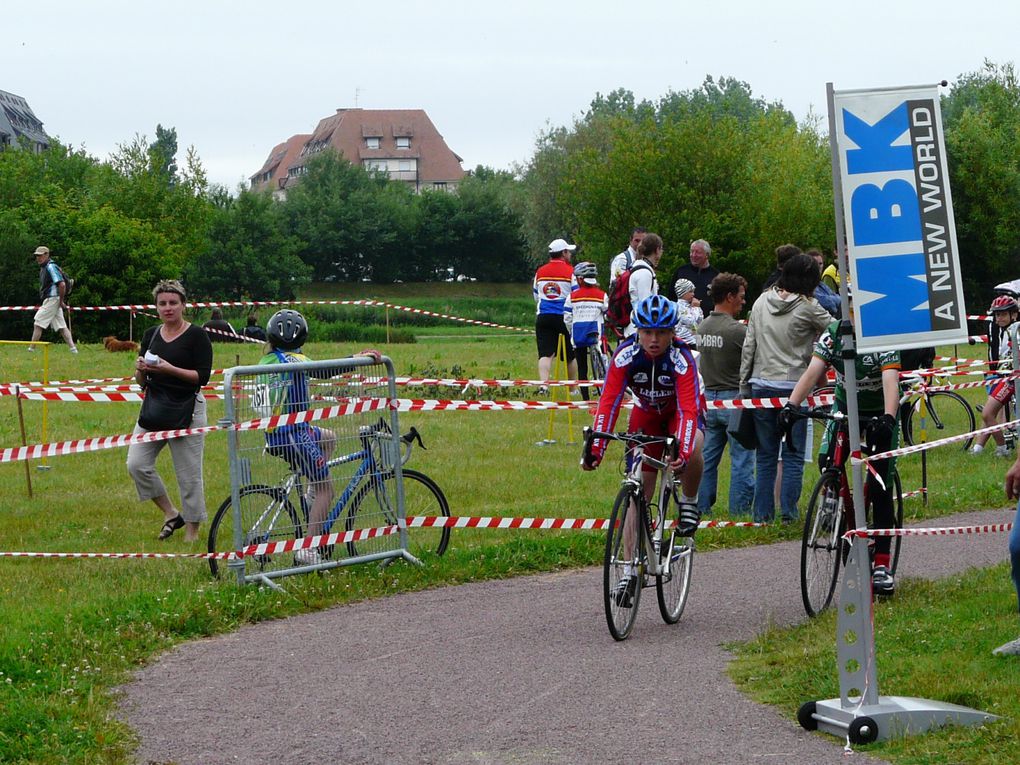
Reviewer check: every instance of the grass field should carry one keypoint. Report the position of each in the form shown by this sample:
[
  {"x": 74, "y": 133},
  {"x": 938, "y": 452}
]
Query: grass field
[{"x": 74, "y": 629}]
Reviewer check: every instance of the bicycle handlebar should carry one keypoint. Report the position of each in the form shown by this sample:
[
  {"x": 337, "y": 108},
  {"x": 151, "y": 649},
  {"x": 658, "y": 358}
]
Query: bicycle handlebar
[{"x": 630, "y": 438}]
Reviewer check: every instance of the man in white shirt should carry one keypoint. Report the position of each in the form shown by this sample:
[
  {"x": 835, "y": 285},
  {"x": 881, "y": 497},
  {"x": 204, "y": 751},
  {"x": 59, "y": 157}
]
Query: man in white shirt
[
  {"x": 625, "y": 259},
  {"x": 642, "y": 274}
]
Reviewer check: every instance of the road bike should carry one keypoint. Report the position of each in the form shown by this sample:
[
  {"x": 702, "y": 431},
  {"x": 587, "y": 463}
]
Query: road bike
[
  {"x": 638, "y": 542},
  {"x": 948, "y": 413},
  {"x": 830, "y": 514},
  {"x": 598, "y": 363},
  {"x": 280, "y": 512}
]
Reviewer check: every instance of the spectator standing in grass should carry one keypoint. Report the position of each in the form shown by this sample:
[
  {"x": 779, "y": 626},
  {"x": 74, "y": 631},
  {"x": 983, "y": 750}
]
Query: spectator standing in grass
[
  {"x": 781, "y": 330},
  {"x": 174, "y": 362},
  {"x": 1012, "y": 648},
  {"x": 625, "y": 259},
  {"x": 222, "y": 329},
  {"x": 584, "y": 314},
  {"x": 720, "y": 342},
  {"x": 253, "y": 330},
  {"x": 642, "y": 281},
  {"x": 552, "y": 285},
  {"x": 699, "y": 271},
  {"x": 53, "y": 293}
]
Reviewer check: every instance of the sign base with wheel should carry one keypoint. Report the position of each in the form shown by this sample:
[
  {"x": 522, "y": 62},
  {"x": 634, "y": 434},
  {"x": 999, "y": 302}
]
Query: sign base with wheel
[{"x": 860, "y": 715}]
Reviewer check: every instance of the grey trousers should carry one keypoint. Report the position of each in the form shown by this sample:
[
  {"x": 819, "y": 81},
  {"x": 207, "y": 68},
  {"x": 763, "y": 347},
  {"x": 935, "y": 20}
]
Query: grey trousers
[{"x": 186, "y": 453}]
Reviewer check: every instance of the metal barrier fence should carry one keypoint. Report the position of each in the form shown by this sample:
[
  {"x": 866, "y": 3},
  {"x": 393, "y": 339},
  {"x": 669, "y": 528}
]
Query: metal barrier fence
[{"x": 327, "y": 467}]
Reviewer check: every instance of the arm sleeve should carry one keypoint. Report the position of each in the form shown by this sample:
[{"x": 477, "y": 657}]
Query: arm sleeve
[
  {"x": 203, "y": 355},
  {"x": 689, "y": 405},
  {"x": 747, "y": 354}
]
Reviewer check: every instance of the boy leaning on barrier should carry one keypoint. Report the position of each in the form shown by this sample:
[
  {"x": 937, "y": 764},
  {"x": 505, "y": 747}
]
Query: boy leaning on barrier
[
  {"x": 305, "y": 447},
  {"x": 662, "y": 374},
  {"x": 878, "y": 398}
]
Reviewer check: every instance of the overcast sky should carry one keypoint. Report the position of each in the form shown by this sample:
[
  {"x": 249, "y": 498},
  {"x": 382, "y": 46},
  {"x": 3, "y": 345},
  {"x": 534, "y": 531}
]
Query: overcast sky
[{"x": 235, "y": 78}]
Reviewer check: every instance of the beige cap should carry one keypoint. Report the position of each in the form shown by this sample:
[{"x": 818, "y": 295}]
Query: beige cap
[{"x": 42, "y": 250}]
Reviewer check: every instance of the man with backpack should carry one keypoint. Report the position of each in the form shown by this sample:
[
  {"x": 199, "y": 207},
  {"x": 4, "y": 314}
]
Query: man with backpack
[
  {"x": 634, "y": 285},
  {"x": 625, "y": 259},
  {"x": 53, "y": 291}
]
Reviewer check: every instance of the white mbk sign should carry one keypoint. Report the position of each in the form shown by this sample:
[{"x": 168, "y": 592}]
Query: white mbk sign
[{"x": 898, "y": 213}]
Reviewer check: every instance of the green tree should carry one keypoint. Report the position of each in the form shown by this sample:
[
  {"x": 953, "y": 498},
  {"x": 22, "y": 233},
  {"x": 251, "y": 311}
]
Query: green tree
[
  {"x": 981, "y": 116},
  {"x": 163, "y": 154},
  {"x": 713, "y": 163},
  {"x": 351, "y": 224},
  {"x": 249, "y": 254}
]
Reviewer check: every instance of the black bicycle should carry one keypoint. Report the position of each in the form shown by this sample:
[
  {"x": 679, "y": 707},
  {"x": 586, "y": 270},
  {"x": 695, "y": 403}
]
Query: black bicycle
[{"x": 830, "y": 515}]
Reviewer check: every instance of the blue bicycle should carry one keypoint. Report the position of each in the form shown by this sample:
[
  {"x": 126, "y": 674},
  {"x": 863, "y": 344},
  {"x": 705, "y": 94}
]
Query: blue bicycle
[{"x": 280, "y": 512}]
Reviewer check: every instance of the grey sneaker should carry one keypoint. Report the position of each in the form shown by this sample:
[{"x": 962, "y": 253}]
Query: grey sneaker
[
  {"x": 74, "y": 349},
  {"x": 1012, "y": 648},
  {"x": 882, "y": 582}
]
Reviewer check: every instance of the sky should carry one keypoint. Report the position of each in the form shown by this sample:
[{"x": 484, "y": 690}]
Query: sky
[{"x": 236, "y": 78}]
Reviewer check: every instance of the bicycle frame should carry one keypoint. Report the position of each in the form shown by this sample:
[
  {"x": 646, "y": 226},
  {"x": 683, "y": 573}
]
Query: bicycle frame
[{"x": 651, "y": 537}]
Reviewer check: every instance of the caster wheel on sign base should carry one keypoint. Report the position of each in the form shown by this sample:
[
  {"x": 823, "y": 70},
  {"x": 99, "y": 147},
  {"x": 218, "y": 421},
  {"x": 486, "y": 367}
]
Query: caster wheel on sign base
[
  {"x": 863, "y": 730},
  {"x": 804, "y": 715}
]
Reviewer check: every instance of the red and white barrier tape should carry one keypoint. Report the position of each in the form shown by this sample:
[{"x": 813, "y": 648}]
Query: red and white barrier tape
[
  {"x": 988, "y": 528},
  {"x": 78, "y": 446},
  {"x": 941, "y": 442},
  {"x": 257, "y": 303},
  {"x": 343, "y": 537}
]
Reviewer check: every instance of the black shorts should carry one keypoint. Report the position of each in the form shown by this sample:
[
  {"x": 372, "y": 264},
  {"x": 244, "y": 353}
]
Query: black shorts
[{"x": 549, "y": 327}]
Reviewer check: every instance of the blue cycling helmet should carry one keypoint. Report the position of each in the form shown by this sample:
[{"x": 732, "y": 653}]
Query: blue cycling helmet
[{"x": 654, "y": 312}]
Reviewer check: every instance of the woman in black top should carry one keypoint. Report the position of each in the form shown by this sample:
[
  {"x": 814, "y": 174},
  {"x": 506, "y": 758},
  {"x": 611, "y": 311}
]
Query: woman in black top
[{"x": 175, "y": 361}]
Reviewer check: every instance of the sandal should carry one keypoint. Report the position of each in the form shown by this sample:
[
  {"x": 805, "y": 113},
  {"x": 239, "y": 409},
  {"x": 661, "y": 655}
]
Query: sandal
[{"x": 171, "y": 526}]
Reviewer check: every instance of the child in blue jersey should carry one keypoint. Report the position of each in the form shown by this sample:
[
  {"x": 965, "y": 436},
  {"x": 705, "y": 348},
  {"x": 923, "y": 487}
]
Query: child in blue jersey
[
  {"x": 584, "y": 314},
  {"x": 305, "y": 447}
]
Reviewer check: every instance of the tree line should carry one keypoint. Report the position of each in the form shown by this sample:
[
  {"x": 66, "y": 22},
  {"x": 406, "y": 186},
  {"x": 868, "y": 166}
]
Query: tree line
[
  {"x": 715, "y": 162},
  {"x": 719, "y": 164}
]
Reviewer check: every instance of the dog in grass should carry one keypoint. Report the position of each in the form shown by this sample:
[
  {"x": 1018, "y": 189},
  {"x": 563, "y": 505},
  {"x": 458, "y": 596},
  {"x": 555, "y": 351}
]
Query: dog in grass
[{"x": 114, "y": 345}]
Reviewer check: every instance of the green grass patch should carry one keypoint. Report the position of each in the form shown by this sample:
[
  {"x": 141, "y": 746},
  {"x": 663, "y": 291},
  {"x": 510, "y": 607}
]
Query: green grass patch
[
  {"x": 74, "y": 630},
  {"x": 934, "y": 641}
]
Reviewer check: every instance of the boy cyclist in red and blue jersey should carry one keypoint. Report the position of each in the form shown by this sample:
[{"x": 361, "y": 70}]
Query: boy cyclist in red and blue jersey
[{"x": 662, "y": 374}]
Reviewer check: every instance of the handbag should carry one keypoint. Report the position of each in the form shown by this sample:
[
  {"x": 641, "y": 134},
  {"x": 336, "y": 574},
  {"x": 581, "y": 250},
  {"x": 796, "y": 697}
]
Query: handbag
[
  {"x": 162, "y": 411},
  {"x": 741, "y": 427}
]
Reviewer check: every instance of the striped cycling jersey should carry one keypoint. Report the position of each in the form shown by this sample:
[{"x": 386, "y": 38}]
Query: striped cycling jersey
[
  {"x": 584, "y": 313},
  {"x": 552, "y": 285},
  {"x": 666, "y": 385}
]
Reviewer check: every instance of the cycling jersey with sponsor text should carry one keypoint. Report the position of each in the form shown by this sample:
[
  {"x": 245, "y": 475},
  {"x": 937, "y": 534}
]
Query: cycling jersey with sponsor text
[{"x": 667, "y": 386}]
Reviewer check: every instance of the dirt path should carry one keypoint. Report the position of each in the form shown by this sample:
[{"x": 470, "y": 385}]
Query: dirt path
[{"x": 515, "y": 671}]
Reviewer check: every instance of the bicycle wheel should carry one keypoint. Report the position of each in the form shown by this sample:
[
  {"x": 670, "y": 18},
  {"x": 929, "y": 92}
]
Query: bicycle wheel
[
  {"x": 422, "y": 497},
  {"x": 949, "y": 414},
  {"x": 894, "y": 550},
  {"x": 266, "y": 516},
  {"x": 596, "y": 367},
  {"x": 619, "y": 618},
  {"x": 821, "y": 543},
  {"x": 673, "y": 587}
]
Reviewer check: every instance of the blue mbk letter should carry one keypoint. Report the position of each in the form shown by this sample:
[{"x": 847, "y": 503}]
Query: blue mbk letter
[
  {"x": 901, "y": 280},
  {"x": 876, "y": 153},
  {"x": 886, "y": 214}
]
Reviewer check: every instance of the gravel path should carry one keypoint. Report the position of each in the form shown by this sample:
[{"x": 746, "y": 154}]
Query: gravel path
[{"x": 514, "y": 671}]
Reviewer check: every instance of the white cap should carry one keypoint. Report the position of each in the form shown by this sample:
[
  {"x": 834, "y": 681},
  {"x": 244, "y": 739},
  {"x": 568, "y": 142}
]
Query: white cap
[{"x": 559, "y": 245}]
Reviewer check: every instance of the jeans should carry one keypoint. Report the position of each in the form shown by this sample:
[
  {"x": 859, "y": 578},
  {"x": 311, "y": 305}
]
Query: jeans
[
  {"x": 1014, "y": 552},
  {"x": 741, "y": 460},
  {"x": 766, "y": 429}
]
